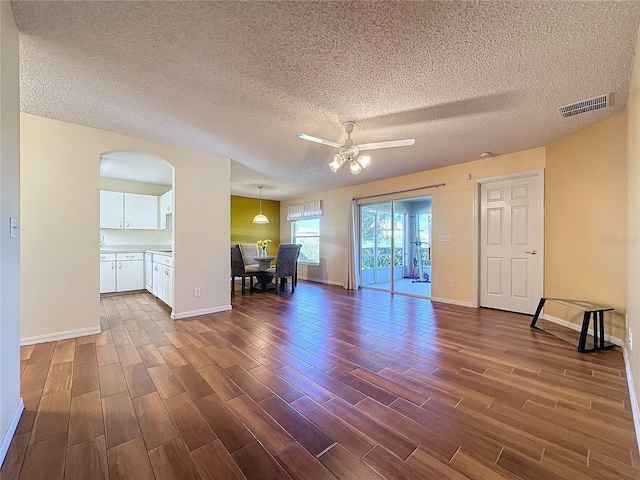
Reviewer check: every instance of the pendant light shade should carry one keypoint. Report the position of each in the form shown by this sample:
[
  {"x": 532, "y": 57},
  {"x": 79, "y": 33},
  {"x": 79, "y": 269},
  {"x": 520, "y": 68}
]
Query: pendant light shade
[{"x": 260, "y": 218}]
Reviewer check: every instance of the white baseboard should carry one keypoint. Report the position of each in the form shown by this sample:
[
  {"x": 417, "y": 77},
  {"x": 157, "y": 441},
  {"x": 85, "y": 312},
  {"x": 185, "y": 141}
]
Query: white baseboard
[
  {"x": 320, "y": 280},
  {"x": 577, "y": 328},
  {"x": 635, "y": 408},
  {"x": 8, "y": 436},
  {"x": 54, "y": 337},
  {"x": 195, "y": 313},
  {"x": 460, "y": 303}
]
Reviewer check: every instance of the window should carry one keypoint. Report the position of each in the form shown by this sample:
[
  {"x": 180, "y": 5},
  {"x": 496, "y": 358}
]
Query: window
[{"x": 307, "y": 233}]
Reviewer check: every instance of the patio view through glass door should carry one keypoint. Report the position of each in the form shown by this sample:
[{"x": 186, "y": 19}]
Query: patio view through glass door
[{"x": 395, "y": 246}]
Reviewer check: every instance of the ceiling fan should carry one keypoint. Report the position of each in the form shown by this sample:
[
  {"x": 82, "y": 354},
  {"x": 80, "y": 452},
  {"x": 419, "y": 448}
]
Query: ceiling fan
[{"x": 349, "y": 152}]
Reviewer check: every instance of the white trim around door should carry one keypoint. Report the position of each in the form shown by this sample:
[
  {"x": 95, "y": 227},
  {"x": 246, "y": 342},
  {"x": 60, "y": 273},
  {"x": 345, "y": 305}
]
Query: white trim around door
[{"x": 477, "y": 280}]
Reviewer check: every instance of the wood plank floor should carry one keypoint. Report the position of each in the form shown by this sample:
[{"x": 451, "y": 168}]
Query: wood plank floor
[{"x": 321, "y": 384}]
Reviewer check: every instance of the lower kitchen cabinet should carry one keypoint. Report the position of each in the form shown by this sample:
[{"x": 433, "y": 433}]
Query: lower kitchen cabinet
[
  {"x": 107, "y": 272},
  {"x": 167, "y": 286},
  {"x": 121, "y": 272},
  {"x": 129, "y": 272},
  {"x": 162, "y": 273}
]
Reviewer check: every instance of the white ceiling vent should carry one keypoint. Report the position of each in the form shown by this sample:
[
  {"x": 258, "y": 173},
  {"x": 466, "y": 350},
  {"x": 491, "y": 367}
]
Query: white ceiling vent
[{"x": 585, "y": 106}]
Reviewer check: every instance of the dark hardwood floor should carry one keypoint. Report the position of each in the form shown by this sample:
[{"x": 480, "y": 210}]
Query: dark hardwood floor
[{"x": 320, "y": 384}]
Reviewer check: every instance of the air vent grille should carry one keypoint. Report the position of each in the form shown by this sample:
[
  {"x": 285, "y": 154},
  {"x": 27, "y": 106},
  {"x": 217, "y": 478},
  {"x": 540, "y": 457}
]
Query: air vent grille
[{"x": 584, "y": 106}]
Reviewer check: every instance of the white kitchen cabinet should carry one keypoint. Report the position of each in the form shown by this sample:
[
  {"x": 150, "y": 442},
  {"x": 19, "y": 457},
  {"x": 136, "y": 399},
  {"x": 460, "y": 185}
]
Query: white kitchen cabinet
[
  {"x": 167, "y": 286},
  {"x": 163, "y": 278},
  {"x": 128, "y": 210},
  {"x": 111, "y": 209},
  {"x": 158, "y": 270},
  {"x": 166, "y": 210},
  {"x": 166, "y": 202},
  {"x": 129, "y": 272},
  {"x": 107, "y": 273},
  {"x": 140, "y": 211}
]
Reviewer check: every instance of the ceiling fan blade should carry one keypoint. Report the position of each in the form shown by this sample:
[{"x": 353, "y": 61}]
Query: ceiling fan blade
[
  {"x": 392, "y": 143},
  {"x": 304, "y": 136}
]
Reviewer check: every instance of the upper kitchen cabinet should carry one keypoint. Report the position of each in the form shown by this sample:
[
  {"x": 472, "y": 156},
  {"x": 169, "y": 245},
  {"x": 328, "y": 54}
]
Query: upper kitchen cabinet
[
  {"x": 128, "y": 210},
  {"x": 166, "y": 203},
  {"x": 140, "y": 211},
  {"x": 111, "y": 209},
  {"x": 166, "y": 210}
]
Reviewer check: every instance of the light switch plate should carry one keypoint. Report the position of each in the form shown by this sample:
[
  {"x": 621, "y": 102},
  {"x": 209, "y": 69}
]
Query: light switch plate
[
  {"x": 13, "y": 228},
  {"x": 445, "y": 238}
]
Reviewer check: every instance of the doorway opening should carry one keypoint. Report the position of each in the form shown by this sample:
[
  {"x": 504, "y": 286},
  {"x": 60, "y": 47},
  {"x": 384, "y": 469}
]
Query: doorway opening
[
  {"x": 136, "y": 224},
  {"x": 395, "y": 246}
]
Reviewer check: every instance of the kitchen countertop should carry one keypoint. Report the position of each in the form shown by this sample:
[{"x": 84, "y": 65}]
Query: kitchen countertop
[
  {"x": 169, "y": 253},
  {"x": 136, "y": 248}
]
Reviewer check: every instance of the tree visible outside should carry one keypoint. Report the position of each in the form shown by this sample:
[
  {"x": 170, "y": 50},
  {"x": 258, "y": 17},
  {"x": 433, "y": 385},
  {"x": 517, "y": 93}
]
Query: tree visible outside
[{"x": 376, "y": 231}]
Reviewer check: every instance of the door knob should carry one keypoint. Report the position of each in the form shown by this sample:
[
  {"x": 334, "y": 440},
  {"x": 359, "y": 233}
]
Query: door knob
[{"x": 532, "y": 252}]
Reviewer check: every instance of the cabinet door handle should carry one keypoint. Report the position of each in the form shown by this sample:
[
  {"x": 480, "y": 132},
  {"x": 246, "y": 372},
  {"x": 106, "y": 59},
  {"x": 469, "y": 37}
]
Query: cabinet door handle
[
  {"x": 121, "y": 224},
  {"x": 127, "y": 224},
  {"x": 119, "y": 265},
  {"x": 168, "y": 208},
  {"x": 113, "y": 266},
  {"x": 156, "y": 268}
]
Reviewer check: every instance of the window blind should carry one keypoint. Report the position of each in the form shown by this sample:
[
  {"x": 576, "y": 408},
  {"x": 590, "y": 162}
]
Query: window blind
[{"x": 304, "y": 210}]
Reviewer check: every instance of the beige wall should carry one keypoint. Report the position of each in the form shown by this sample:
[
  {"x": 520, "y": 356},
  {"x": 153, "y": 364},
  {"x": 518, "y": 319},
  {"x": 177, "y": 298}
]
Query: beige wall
[
  {"x": 10, "y": 402},
  {"x": 60, "y": 213},
  {"x": 633, "y": 224},
  {"x": 585, "y": 231},
  {"x": 452, "y": 210}
]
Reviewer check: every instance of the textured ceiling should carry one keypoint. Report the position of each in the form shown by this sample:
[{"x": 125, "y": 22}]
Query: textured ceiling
[{"x": 239, "y": 79}]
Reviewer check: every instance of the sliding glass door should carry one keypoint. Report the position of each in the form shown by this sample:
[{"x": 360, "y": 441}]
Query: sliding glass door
[
  {"x": 382, "y": 245},
  {"x": 395, "y": 246}
]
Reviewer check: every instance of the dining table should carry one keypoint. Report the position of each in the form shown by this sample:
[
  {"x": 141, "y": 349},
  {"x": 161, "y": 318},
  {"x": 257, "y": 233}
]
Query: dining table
[{"x": 264, "y": 262}]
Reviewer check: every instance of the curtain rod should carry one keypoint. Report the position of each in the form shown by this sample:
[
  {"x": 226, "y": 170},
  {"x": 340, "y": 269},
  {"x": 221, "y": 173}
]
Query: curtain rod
[{"x": 434, "y": 185}]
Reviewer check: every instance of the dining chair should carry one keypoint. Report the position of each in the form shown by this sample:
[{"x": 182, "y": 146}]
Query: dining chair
[
  {"x": 249, "y": 253},
  {"x": 286, "y": 266},
  {"x": 239, "y": 269}
]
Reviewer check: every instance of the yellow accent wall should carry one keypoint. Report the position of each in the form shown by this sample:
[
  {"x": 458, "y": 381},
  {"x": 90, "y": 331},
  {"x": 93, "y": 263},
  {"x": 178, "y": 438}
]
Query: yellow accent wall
[
  {"x": 243, "y": 230},
  {"x": 585, "y": 231}
]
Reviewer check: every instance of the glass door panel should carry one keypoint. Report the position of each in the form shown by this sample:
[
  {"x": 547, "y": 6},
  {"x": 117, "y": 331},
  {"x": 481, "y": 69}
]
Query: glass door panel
[{"x": 376, "y": 245}]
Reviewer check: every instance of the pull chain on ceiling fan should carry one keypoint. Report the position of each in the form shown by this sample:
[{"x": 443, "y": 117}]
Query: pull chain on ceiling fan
[{"x": 349, "y": 153}]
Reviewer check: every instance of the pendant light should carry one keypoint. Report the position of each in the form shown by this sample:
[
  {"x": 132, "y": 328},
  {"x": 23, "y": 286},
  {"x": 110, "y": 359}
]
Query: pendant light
[{"x": 260, "y": 218}]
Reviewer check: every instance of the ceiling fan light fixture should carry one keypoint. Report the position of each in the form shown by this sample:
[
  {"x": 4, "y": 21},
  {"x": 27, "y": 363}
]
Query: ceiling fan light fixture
[
  {"x": 336, "y": 163},
  {"x": 364, "y": 161},
  {"x": 260, "y": 218},
  {"x": 349, "y": 151}
]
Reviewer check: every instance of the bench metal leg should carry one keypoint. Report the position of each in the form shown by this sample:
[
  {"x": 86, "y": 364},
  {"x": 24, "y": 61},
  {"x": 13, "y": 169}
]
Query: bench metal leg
[
  {"x": 583, "y": 331},
  {"x": 601, "y": 322},
  {"x": 537, "y": 314}
]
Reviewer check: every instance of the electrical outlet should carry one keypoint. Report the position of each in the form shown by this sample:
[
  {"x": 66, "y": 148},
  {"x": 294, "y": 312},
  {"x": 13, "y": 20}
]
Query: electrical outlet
[
  {"x": 155, "y": 238},
  {"x": 197, "y": 292},
  {"x": 630, "y": 340},
  {"x": 452, "y": 283}
]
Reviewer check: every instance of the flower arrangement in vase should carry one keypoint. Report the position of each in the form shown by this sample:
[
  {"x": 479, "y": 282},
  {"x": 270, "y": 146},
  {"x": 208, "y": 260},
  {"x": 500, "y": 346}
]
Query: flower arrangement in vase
[{"x": 262, "y": 247}]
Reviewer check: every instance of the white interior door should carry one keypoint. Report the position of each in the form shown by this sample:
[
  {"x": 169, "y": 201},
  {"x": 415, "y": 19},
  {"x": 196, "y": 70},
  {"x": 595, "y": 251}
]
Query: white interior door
[{"x": 511, "y": 244}]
